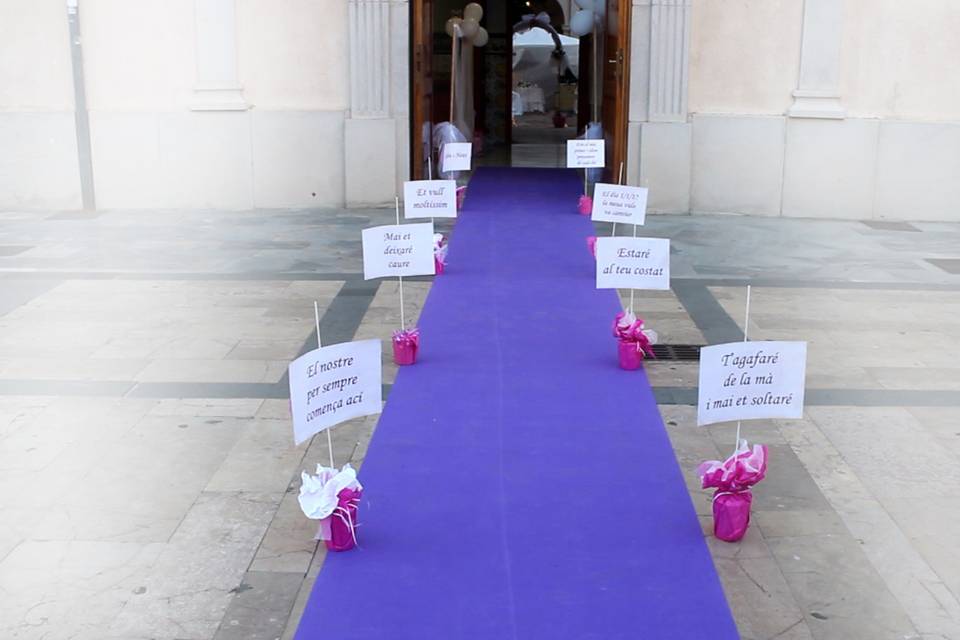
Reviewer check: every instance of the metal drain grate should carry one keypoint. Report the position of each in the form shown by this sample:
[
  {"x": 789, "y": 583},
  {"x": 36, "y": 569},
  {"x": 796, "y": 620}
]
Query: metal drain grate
[{"x": 683, "y": 352}]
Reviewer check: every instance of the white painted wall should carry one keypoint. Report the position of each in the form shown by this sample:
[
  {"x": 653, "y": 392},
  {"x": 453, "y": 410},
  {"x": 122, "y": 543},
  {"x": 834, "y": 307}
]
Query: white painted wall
[
  {"x": 744, "y": 55},
  {"x": 293, "y": 54},
  {"x": 305, "y": 103},
  {"x": 169, "y": 128},
  {"x": 878, "y": 75},
  {"x": 156, "y": 144},
  {"x": 899, "y": 59},
  {"x": 38, "y": 146}
]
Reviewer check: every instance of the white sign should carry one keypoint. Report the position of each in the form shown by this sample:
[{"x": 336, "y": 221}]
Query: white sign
[
  {"x": 619, "y": 203},
  {"x": 430, "y": 199},
  {"x": 747, "y": 380},
  {"x": 333, "y": 384},
  {"x": 456, "y": 156},
  {"x": 398, "y": 250},
  {"x": 585, "y": 154},
  {"x": 633, "y": 263}
]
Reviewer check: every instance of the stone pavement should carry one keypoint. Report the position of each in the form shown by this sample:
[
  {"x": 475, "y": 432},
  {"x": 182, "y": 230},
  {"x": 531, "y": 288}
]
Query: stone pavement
[{"x": 147, "y": 474}]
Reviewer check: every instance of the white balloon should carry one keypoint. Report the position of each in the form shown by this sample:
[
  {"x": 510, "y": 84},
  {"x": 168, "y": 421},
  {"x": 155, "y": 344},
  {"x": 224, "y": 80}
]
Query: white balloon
[
  {"x": 450, "y": 24},
  {"x": 469, "y": 28},
  {"x": 473, "y": 11},
  {"x": 481, "y": 38},
  {"x": 581, "y": 23},
  {"x": 589, "y": 5}
]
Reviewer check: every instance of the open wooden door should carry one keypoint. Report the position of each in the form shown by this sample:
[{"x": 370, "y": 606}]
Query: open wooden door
[
  {"x": 616, "y": 86},
  {"x": 421, "y": 87},
  {"x": 585, "y": 82}
]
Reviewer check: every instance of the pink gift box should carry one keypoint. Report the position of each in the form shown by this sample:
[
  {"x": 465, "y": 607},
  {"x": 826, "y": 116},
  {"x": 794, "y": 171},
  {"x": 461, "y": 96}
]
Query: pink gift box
[
  {"x": 585, "y": 205},
  {"x": 732, "y": 479},
  {"x": 633, "y": 344},
  {"x": 339, "y": 530},
  {"x": 405, "y": 346},
  {"x": 631, "y": 356},
  {"x": 439, "y": 253},
  {"x": 731, "y": 514},
  {"x": 404, "y": 353}
]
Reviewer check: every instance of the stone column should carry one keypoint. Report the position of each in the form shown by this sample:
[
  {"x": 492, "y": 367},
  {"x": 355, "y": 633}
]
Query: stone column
[
  {"x": 569, "y": 8},
  {"x": 818, "y": 94},
  {"x": 669, "y": 60},
  {"x": 218, "y": 80},
  {"x": 369, "y": 62},
  {"x": 375, "y": 129},
  {"x": 658, "y": 144}
]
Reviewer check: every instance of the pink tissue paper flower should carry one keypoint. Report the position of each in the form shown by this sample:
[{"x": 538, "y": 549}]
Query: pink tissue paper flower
[
  {"x": 585, "y": 205},
  {"x": 439, "y": 253},
  {"x": 634, "y": 343},
  {"x": 732, "y": 479}
]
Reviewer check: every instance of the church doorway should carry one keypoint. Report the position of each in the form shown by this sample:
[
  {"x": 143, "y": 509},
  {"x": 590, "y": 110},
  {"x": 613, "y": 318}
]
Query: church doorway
[{"x": 520, "y": 81}]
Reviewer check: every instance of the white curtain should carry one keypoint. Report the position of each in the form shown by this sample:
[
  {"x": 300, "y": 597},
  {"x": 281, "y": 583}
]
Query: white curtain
[{"x": 462, "y": 90}]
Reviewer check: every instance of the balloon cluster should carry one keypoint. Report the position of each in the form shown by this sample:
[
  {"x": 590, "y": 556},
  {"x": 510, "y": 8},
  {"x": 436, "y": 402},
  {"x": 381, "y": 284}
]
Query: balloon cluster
[
  {"x": 591, "y": 12},
  {"x": 469, "y": 25}
]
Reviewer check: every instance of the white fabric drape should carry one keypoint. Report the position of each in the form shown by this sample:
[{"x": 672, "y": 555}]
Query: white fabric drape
[{"x": 463, "y": 113}]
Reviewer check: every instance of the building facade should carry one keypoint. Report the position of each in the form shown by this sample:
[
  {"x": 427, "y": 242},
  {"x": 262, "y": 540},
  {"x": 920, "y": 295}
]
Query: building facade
[{"x": 806, "y": 108}]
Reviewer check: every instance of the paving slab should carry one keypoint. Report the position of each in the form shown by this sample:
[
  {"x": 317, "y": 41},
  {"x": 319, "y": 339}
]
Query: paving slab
[{"x": 97, "y": 478}]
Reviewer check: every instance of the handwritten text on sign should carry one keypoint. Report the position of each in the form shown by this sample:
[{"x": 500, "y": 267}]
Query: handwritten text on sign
[
  {"x": 456, "y": 156},
  {"x": 430, "y": 199},
  {"x": 398, "y": 250},
  {"x": 333, "y": 384},
  {"x": 618, "y": 203},
  {"x": 585, "y": 154},
  {"x": 746, "y": 380},
  {"x": 633, "y": 263}
]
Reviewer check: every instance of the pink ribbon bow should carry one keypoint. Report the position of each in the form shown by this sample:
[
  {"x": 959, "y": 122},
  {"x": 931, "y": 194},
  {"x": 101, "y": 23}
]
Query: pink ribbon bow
[
  {"x": 585, "y": 205},
  {"x": 628, "y": 328},
  {"x": 346, "y": 511},
  {"x": 439, "y": 252},
  {"x": 739, "y": 472},
  {"x": 592, "y": 245},
  {"x": 342, "y": 520},
  {"x": 407, "y": 337}
]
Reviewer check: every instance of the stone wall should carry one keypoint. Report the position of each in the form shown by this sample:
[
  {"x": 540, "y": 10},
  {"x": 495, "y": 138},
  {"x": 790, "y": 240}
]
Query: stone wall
[
  {"x": 838, "y": 108},
  {"x": 822, "y": 108},
  {"x": 232, "y": 104}
]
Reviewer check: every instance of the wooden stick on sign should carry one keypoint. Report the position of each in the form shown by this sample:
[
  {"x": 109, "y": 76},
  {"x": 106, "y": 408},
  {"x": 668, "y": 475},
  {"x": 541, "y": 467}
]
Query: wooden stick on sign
[
  {"x": 746, "y": 332},
  {"x": 316, "y": 317},
  {"x": 403, "y": 323}
]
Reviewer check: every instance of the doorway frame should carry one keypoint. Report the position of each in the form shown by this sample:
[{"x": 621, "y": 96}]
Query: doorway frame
[
  {"x": 418, "y": 117},
  {"x": 619, "y": 131}
]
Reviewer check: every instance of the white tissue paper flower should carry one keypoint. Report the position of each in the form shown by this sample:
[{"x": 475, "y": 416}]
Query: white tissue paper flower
[
  {"x": 318, "y": 494},
  {"x": 439, "y": 247},
  {"x": 627, "y": 319}
]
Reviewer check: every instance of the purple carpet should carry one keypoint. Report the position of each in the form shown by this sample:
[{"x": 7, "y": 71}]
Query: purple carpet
[{"x": 519, "y": 484}]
